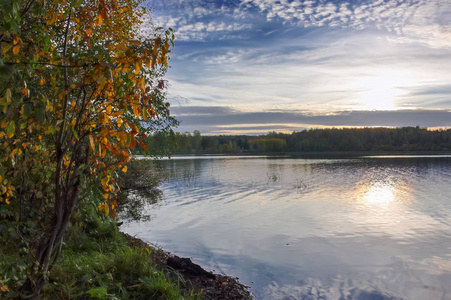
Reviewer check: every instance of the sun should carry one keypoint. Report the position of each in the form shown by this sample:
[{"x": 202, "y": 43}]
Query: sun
[{"x": 378, "y": 92}]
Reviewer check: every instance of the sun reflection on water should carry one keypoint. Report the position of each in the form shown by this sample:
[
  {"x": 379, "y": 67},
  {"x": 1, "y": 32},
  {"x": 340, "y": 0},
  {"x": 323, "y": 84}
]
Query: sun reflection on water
[{"x": 379, "y": 193}]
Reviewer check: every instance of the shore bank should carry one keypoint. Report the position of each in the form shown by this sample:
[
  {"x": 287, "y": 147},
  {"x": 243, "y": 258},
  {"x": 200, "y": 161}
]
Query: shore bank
[{"x": 192, "y": 277}]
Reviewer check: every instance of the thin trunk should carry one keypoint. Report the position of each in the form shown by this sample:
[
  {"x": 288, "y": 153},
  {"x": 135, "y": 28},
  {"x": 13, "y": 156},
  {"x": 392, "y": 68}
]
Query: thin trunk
[{"x": 49, "y": 245}]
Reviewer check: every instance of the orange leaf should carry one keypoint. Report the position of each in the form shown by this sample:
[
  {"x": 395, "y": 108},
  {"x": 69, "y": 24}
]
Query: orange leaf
[
  {"x": 16, "y": 49},
  {"x": 4, "y": 288},
  {"x": 99, "y": 20}
]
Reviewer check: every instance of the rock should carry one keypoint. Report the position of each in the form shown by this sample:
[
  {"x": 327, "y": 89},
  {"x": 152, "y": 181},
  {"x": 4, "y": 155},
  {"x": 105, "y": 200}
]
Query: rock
[{"x": 187, "y": 266}]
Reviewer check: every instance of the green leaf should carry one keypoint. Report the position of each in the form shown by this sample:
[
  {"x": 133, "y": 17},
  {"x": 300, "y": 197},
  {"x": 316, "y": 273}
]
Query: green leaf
[
  {"x": 8, "y": 96},
  {"x": 98, "y": 292},
  {"x": 74, "y": 132},
  {"x": 10, "y": 129},
  {"x": 27, "y": 109},
  {"x": 39, "y": 114}
]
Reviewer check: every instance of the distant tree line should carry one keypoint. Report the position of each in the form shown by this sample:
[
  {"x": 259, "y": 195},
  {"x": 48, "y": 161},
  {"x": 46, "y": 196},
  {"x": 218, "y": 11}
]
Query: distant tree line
[{"x": 313, "y": 140}]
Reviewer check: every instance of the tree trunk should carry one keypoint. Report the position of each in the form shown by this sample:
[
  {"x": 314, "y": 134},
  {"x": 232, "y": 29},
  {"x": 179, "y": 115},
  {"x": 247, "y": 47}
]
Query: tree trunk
[{"x": 50, "y": 243}]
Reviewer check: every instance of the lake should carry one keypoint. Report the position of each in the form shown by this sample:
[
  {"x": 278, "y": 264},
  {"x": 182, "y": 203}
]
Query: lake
[{"x": 294, "y": 228}]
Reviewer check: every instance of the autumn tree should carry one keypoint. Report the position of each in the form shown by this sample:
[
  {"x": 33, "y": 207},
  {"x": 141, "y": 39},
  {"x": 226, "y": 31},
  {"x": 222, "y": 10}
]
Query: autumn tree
[{"x": 80, "y": 85}]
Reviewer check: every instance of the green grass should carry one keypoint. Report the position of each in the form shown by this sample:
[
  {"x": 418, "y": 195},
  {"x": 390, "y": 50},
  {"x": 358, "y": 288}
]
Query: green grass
[
  {"x": 99, "y": 265},
  {"x": 96, "y": 263}
]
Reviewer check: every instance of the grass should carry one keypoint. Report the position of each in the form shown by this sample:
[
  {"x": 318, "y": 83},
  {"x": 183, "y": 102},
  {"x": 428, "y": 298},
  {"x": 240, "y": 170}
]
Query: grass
[
  {"x": 101, "y": 266},
  {"x": 96, "y": 263}
]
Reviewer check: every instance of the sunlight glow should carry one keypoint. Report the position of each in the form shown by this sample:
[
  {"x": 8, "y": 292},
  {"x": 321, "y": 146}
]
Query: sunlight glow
[
  {"x": 379, "y": 193},
  {"x": 380, "y": 91},
  {"x": 380, "y": 95}
]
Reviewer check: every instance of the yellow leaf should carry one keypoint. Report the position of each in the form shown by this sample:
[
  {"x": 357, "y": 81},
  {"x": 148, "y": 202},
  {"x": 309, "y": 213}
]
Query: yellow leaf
[
  {"x": 7, "y": 201},
  {"x": 42, "y": 81},
  {"x": 137, "y": 67},
  {"x": 91, "y": 142},
  {"x": 52, "y": 20},
  {"x": 124, "y": 169},
  {"x": 119, "y": 122}
]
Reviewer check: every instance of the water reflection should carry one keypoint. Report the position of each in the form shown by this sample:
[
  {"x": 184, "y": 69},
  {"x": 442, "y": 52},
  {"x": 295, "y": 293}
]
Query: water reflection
[
  {"x": 379, "y": 193},
  {"x": 367, "y": 228}
]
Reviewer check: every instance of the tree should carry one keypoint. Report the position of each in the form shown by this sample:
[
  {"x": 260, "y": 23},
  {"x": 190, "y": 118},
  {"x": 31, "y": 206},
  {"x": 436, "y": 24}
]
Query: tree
[{"x": 80, "y": 85}]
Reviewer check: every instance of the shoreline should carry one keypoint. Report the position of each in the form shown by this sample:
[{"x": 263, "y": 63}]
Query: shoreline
[
  {"x": 312, "y": 154},
  {"x": 191, "y": 277}
]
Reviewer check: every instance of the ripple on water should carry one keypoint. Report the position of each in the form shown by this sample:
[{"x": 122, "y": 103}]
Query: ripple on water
[{"x": 368, "y": 228}]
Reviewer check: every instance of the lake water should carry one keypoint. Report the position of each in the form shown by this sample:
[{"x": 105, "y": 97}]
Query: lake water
[{"x": 361, "y": 228}]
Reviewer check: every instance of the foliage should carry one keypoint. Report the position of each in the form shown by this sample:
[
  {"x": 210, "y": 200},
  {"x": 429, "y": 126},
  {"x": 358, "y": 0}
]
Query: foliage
[
  {"x": 370, "y": 139},
  {"x": 268, "y": 144},
  {"x": 80, "y": 85},
  {"x": 320, "y": 140}
]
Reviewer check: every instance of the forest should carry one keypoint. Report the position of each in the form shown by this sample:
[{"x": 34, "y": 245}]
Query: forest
[{"x": 314, "y": 140}]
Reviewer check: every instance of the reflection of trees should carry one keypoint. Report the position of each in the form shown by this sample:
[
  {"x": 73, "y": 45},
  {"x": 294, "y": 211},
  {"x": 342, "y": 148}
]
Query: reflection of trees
[
  {"x": 134, "y": 202},
  {"x": 140, "y": 189}
]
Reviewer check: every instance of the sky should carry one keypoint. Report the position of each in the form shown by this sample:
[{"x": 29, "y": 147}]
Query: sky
[{"x": 254, "y": 66}]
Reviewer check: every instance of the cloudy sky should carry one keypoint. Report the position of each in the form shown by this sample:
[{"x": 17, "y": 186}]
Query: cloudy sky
[{"x": 254, "y": 66}]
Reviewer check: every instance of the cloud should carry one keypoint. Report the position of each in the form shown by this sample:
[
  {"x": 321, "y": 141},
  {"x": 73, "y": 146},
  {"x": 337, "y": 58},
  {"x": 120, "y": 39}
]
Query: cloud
[
  {"x": 267, "y": 57},
  {"x": 433, "y": 36},
  {"x": 216, "y": 120},
  {"x": 322, "y": 72},
  {"x": 410, "y": 21},
  {"x": 199, "y": 20}
]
